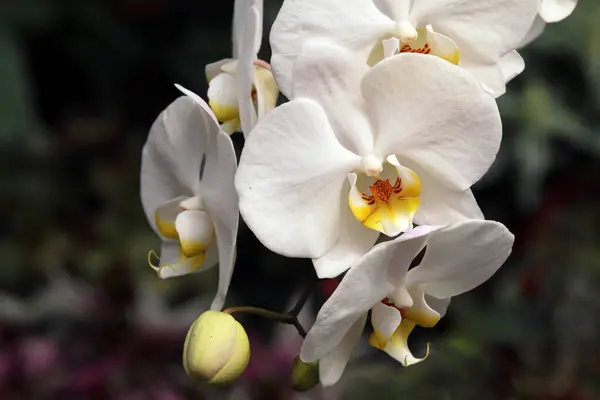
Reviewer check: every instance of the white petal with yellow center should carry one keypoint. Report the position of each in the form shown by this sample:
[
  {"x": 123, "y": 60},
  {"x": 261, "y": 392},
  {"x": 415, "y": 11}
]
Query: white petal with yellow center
[
  {"x": 370, "y": 280},
  {"x": 185, "y": 139},
  {"x": 430, "y": 42},
  {"x": 483, "y": 31},
  {"x": 290, "y": 180},
  {"x": 390, "y": 203}
]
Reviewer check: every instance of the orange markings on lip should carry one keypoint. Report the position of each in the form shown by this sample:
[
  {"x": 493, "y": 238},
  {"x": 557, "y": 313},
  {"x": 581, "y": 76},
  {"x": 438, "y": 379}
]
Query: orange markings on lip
[
  {"x": 382, "y": 190},
  {"x": 390, "y": 303},
  {"x": 421, "y": 50}
]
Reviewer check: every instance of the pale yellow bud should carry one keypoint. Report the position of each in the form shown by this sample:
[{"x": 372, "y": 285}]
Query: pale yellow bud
[
  {"x": 305, "y": 376},
  {"x": 217, "y": 349}
]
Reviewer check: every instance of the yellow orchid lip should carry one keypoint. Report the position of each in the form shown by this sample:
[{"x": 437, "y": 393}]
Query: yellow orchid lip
[
  {"x": 426, "y": 41},
  {"x": 389, "y": 208},
  {"x": 382, "y": 191},
  {"x": 433, "y": 43},
  {"x": 166, "y": 227},
  {"x": 184, "y": 264},
  {"x": 223, "y": 112},
  {"x": 426, "y": 320},
  {"x": 397, "y": 345}
]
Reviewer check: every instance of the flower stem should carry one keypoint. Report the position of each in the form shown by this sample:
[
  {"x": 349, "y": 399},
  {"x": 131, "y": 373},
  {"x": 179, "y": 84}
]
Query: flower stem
[
  {"x": 291, "y": 317},
  {"x": 287, "y": 318},
  {"x": 258, "y": 311}
]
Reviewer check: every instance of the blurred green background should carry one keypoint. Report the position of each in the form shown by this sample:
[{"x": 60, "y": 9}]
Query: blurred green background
[{"x": 83, "y": 317}]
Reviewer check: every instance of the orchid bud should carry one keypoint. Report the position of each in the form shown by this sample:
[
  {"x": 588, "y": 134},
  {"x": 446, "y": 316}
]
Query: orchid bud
[
  {"x": 305, "y": 376},
  {"x": 216, "y": 349}
]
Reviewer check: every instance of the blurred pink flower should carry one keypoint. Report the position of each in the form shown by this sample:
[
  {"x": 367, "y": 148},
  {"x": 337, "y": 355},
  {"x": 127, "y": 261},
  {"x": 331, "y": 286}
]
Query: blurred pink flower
[{"x": 38, "y": 355}]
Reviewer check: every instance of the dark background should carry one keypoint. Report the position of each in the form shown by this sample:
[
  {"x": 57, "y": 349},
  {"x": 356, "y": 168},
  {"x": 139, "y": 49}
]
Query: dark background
[{"x": 82, "y": 316}]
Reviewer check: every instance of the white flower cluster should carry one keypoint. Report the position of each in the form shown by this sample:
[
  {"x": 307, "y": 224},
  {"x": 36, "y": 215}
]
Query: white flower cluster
[{"x": 391, "y": 119}]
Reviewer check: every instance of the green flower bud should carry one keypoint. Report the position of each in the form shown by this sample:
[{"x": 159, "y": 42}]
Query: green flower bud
[
  {"x": 216, "y": 349},
  {"x": 305, "y": 376}
]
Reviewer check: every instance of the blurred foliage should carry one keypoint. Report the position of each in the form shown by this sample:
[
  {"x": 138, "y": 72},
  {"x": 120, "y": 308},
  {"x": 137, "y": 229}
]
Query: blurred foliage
[{"x": 81, "y": 314}]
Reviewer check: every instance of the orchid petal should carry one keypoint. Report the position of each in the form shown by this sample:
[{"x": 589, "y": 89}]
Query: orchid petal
[
  {"x": 373, "y": 278},
  {"x": 420, "y": 312},
  {"x": 484, "y": 30},
  {"x": 390, "y": 47},
  {"x": 401, "y": 298},
  {"x": 220, "y": 197},
  {"x": 241, "y": 14},
  {"x": 491, "y": 78},
  {"x": 491, "y": 27},
  {"x": 354, "y": 242},
  {"x": 331, "y": 367},
  {"x": 440, "y": 306},
  {"x": 458, "y": 142},
  {"x": 266, "y": 88},
  {"x": 214, "y": 69},
  {"x": 172, "y": 156},
  {"x": 356, "y": 24},
  {"x": 246, "y": 72},
  {"x": 289, "y": 180},
  {"x": 330, "y": 75},
  {"x": 512, "y": 64},
  {"x": 221, "y": 202},
  {"x": 397, "y": 10},
  {"x": 385, "y": 320},
  {"x": 442, "y": 46},
  {"x": 440, "y": 205},
  {"x": 210, "y": 120},
  {"x": 447, "y": 271},
  {"x": 536, "y": 30},
  {"x": 557, "y": 10}
]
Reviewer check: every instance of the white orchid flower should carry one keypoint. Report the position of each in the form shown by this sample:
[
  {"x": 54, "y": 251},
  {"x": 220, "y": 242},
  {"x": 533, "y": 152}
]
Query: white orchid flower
[
  {"x": 550, "y": 11},
  {"x": 457, "y": 259},
  {"x": 476, "y": 34},
  {"x": 242, "y": 88},
  {"x": 188, "y": 166},
  {"x": 360, "y": 149}
]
